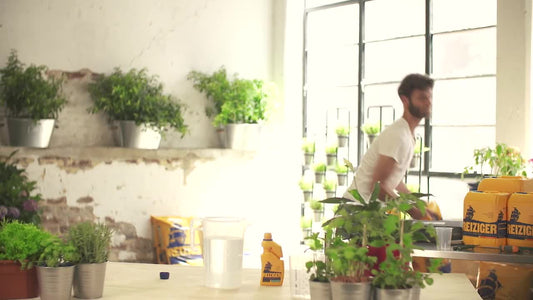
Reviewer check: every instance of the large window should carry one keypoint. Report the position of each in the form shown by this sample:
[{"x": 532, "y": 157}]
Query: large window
[{"x": 356, "y": 52}]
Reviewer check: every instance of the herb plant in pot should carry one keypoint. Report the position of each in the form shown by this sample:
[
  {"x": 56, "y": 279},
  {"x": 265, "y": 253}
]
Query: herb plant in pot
[
  {"x": 307, "y": 189},
  {"x": 318, "y": 210},
  {"x": 305, "y": 225},
  {"x": 343, "y": 133},
  {"x": 92, "y": 242},
  {"x": 330, "y": 187},
  {"x": 331, "y": 155},
  {"x": 20, "y": 247},
  {"x": 371, "y": 130},
  {"x": 396, "y": 279},
  {"x": 136, "y": 100},
  {"x": 320, "y": 171},
  {"x": 342, "y": 174},
  {"x": 308, "y": 148},
  {"x": 319, "y": 268},
  {"x": 55, "y": 268},
  {"x": 33, "y": 101},
  {"x": 239, "y": 105},
  {"x": 18, "y": 200}
]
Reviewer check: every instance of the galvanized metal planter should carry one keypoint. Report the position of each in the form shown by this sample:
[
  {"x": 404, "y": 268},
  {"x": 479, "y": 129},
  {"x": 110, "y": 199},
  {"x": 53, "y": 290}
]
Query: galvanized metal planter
[
  {"x": 395, "y": 294},
  {"x": 89, "y": 280},
  {"x": 139, "y": 136},
  {"x": 55, "y": 283},
  {"x": 319, "y": 290},
  {"x": 350, "y": 290},
  {"x": 28, "y": 133},
  {"x": 243, "y": 136}
]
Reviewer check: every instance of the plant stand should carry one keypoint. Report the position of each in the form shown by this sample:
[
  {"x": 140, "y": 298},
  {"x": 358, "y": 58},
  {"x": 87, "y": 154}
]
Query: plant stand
[{"x": 17, "y": 283}]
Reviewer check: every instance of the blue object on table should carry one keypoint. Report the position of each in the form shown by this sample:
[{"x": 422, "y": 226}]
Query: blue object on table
[{"x": 164, "y": 275}]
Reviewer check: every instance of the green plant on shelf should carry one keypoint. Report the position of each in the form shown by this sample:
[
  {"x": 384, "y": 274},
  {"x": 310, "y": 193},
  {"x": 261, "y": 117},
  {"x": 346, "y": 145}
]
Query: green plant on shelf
[
  {"x": 330, "y": 185},
  {"x": 316, "y": 205},
  {"x": 502, "y": 160},
  {"x": 308, "y": 146},
  {"x": 306, "y": 223},
  {"x": 342, "y": 130},
  {"x": 371, "y": 128},
  {"x": 320, "y": 167},
  {"x": 331, "y": 150},
  {"x": 341, "y": 169},
  {"x": 306, "y": 185}
]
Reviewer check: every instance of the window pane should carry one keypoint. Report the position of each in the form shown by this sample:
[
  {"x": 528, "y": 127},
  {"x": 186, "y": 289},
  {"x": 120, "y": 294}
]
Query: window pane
[
  {"x": 465, "y": 53},
  {"x": 392, "y": 60},
  {"x": 462, "y": 14},
  {"x": 333, "y": 66},
  {"x": 453, "y": 147},
  {"x": 384, "y": 95},
  {"x": 474, "y": 104},
  {"x": 338, "y": 26},
  {"x": 393, "y": 18}
]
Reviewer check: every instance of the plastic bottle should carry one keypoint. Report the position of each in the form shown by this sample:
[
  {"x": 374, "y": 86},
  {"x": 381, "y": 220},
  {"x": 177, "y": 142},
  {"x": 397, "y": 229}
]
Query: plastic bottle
[{"x": 272, "y": 268}]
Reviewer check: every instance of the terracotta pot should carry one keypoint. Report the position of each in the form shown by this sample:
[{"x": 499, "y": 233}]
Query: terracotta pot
[{"x": 17, "y": 283}]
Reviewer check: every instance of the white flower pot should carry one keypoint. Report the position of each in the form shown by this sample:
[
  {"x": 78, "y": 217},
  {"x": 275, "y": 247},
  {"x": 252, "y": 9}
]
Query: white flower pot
[
  {"x": 139, "y": 136},
  {"x": 27, "y": 133}
]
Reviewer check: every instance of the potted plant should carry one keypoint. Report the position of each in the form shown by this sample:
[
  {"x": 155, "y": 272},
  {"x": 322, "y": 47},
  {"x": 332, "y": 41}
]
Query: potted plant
[
  {"x": 308, "y": 148},
  {"x": 319, "y": 268},
  {"x": 305, "y": 224},
  {"x": 18, "y": 200},
  {"x": 342, "y": 174},
  {"x": 331, "y": 155},
  {"x": 20, "y": 247},
  {"x": 92, "y": 242},
  {"x": 330, "y": 186},
  {"x": 371, "y": 130},
  {"x": 33, "y": 101},
  {"x": 55, "y": 268},
  {"x": 238, "y": 105},
  {"x": 396, "y": 277},
  {"x": 136, "y": 101},
  {"x": 318, "y": 209},
  {"x": 343, "y": 134},
  {"x": 355, "y": 228},
  {"x": 501, "y": 160},
  {"x": 307, "y": 188},
  {"x": 320, "y": 171}
]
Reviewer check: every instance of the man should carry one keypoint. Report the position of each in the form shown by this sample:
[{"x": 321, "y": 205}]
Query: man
[{"x": 389, "y": 156}]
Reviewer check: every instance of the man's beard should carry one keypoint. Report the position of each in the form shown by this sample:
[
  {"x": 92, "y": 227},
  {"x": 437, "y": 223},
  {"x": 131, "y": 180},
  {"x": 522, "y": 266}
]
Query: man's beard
[{"x": 415, "y": 111}]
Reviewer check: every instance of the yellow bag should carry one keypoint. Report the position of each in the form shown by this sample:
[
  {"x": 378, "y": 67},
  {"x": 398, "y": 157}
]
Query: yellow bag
[{"x": 502, "y": 281}]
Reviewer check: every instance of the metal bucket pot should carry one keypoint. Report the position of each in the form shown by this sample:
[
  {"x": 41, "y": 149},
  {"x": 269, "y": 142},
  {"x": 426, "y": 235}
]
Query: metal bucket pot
[
  {"x": 55, "y": 283},
  {"x": 350, "y": 290},
  {"x": 139, "y": 136},
  {"x": 393, "y": 294},
  {"x": 243, "y": 136},
  {"x": 342, "y": 140},
  {"x": 341, "y": 178},
  {"x": 319, "y": 290},
  {"x": 89, "y": 280},
  {"x": 26, "y": 133}
]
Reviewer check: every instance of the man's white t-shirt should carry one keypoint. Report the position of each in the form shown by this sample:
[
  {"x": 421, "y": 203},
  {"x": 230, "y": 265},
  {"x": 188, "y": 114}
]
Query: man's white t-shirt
[{"x": 397, "y": 142}]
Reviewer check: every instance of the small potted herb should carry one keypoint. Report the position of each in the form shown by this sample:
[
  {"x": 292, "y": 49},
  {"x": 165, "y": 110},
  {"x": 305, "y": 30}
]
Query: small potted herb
[
  {"x": 343, "y": 133},
  {"x": 371, "y": 130},
  {"x": 342, "y": 174},
  {"x": 307, "y": 188},
  {"x": 308, "y": 147},
  {"x": 320, "y": 171},
  {"x": 318, "y": 210},
  {"x": 305, "y": 225},
  {"x": 331, "y": 155},
  {"x": 137, "y": 102},
  {"x": 319, "y": 268},
  {"x": 33, "y": 100},
  {"x": 92, "y": 242},
  {"x": 330, "y": 187},
  {"x": 20, "y": 247}
]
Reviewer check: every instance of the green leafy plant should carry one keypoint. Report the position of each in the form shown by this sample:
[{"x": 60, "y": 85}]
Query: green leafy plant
[
  {"x": 137, "y": 96},
  {"x": 319, "y": 269},
  {"x": 21, "y": 242},
  {"x": 57, "y": 253},
  {"x": 320, "y": 167},
  {"x": 400, "y": 236},
  {"x": 234, "y": 100},
  {"x": 342, "y": 130},
  {"x": 502, "y": 161},
  {"x": 305, "y": 222},
  {"x": 418, "y": 147},
  {"x": 331, "y": 150},
  {"x": 341, "y": 169},
  {"x": 29, "y": 92},
  {"x": 316, "y": 205},
  {"x": 18, "y": 200},
  {"x": 371, "y": 128},
  {"x": 306, "y": 185},
  {"x": 330, "y": 185},
  {"x": 92, "y": 242},
  {"x": 308, "y": 146}
]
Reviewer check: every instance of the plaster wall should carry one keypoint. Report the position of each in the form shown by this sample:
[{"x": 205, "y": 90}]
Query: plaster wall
[{"x": 82, "y": 171}]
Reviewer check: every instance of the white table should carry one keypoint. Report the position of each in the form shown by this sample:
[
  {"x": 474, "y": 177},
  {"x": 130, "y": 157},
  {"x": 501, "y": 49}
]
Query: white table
[{"x": 141, "y": 281}]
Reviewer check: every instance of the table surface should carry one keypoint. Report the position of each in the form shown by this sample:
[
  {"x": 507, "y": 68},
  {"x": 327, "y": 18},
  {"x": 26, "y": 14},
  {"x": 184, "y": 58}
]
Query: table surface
[{"x": 141, "y": 281}]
